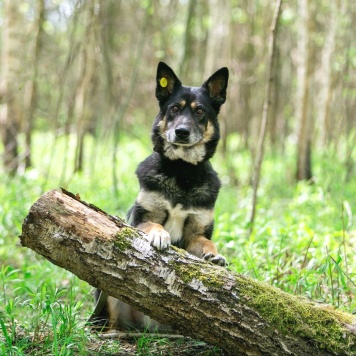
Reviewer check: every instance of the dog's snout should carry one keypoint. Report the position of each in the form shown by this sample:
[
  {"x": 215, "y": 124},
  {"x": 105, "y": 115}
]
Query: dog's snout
[{"x": 182, "y": 132}]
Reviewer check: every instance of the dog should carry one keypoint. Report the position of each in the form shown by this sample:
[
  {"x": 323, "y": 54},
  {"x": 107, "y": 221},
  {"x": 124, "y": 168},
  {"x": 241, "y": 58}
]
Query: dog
[{"x": 178, "y": 186}]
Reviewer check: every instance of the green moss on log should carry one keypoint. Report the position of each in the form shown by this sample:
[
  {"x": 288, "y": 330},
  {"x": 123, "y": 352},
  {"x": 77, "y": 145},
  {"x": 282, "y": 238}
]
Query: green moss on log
[
  {"x": 124, "y": 238},
  {"x": 191, "y": 271},
  {"x": 323, "y": 325}
]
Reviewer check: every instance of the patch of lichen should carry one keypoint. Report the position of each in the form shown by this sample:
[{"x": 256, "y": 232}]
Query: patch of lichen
[
  {"x": 179, "y": 251},
  {"x": 124, "y": 238},
  {"x": 211, "y": 278},
  {"x": 322, "y": 325}
]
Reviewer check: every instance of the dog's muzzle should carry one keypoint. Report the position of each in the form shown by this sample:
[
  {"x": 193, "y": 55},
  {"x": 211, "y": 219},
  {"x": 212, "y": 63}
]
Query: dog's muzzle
[{"x": 183, "y": 135}]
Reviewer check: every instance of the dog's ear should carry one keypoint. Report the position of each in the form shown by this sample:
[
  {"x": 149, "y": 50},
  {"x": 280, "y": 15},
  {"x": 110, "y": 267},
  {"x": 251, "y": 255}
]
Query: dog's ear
[
  {"x": 166, "y": 82},
  {"x": 217, "y": 85}
]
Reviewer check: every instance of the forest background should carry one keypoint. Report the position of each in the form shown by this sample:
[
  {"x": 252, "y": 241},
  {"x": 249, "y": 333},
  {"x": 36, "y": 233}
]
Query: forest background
[{"x": 77, "y": 82}]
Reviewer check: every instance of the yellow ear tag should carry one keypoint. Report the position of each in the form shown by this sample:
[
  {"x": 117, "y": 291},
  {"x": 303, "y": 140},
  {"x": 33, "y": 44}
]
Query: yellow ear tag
[{"x": 163, "y": 81}]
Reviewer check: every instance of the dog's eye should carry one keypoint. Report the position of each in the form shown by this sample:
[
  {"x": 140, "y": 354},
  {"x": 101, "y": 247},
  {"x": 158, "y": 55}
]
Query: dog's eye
[
  {"x": 199, "y": 112},
  {"x": 175, "y": 108}
]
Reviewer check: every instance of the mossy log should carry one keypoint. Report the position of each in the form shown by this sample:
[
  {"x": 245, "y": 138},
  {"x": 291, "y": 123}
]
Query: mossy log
[{"x": 199, "y": 299}]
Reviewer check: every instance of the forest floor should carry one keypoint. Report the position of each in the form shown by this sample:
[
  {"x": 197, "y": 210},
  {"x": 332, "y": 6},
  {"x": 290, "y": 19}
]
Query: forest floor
[{"x": 154, "y": 346}]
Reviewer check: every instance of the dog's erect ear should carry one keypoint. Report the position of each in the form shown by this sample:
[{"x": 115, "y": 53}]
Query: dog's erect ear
[
  {"x": 166, "y": 82},
  {"x": 216, "y": 86}
]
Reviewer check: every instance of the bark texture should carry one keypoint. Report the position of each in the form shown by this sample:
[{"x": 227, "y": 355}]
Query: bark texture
[
  {"x": 304, "y": 168},
  {"x": 12, "y": 78},
  {"x": 199, "y": 299},
  {"x": 266, "y": 109}
]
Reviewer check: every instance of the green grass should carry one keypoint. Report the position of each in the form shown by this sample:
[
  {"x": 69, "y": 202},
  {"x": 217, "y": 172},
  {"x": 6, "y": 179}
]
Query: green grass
[{"x": 304, "y": 238}]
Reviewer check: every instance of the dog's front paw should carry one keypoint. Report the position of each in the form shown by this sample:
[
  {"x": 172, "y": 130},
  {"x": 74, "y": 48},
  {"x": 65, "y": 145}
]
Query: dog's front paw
[
  {"x": 159, "y": 238},
  {"x": 216, "y": 259}
]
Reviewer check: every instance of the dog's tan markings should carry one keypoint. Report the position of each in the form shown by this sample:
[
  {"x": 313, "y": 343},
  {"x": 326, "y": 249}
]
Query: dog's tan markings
[
  {"x": 113, "y": 309},
  {"x": 183, "y": 103},
  {"x": 200, "y": 246},
  {"x": 122, "y": 315},
  {"x": 162, "y": 125},
  {"x": 194, "y": 237},
  {"x": 196, "y": 225},
  {"x": 193, "y": 105},
  {"x": 148, "y": 227},
  {"x": 209, "y": 132}
]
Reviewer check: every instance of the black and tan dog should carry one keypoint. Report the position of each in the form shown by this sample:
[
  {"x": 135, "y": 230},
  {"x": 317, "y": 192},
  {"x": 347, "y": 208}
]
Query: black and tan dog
[{"x": 178, "y": 186}]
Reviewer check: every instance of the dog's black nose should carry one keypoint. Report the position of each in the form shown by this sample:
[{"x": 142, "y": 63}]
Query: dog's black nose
[{"x": 182, "y": 132}]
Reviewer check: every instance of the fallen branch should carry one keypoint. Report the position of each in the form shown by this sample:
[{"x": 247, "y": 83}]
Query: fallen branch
[
  {"x": 197, "y": 298},
  {"x": 123, "y": 335}
]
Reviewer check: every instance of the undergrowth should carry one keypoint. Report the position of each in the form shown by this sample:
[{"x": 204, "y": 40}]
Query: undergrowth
[{"x": 303, "y": 240}]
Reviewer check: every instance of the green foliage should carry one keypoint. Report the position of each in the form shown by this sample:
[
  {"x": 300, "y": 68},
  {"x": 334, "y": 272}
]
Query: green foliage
[
  {"x": 303, "y": 240},
  {"x": 304, "y": 235}
]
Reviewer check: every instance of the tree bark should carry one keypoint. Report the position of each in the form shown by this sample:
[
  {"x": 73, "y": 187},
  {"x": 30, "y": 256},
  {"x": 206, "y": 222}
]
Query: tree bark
[
  {"x": 86, "y": 83},
  {"x": 33, "y": 85},
  {"x": 199, "y": 299},
  {"x": 304, "y": 168},
  {"x": 265, "y": 111},
  {"x": 12, "y": 82}
]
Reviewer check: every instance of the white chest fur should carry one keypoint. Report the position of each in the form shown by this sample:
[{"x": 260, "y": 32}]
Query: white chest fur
[
  {"x": 175, "y": 222},
  {"x": 193, "y": 155},
  {"x": 175, "y": 216}
]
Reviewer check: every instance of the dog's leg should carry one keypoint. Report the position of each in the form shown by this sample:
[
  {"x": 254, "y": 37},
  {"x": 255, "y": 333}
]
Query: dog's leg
[
  {"x": 204, "y": 248},
  {"x": 157, "y": 235},
  {"x": 123, "y": 316}
]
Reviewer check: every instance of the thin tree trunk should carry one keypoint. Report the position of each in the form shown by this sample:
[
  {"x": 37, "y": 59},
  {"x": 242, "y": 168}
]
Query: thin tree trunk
[
  {"x": 242, "y": 46},
  {"x": 128, "y": 95},
  {"x": 188, "y": 40},
  {"x": 275, "y": 132},
  {"x": 265, "y": 112},
  {"x": 217, "y": 44},
  {"x": 347, "y": 85},
  {"x": 86, "y": 82},
  {"x": 304, "y": 169},
  {"x": 28, "y": 125},
  {"x": 71, "y": 55},
  {"x": 327, "y": 74},
  {"x": 197, "y": 298},
  {"x": 12, "y": 83}
]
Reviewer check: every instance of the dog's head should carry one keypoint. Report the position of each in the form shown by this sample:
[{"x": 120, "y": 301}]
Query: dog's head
[{"x": 187, "y": 127}]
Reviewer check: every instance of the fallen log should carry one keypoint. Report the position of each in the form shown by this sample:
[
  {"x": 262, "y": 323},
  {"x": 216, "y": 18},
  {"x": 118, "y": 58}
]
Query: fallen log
[{"x": 199, "y": 299}]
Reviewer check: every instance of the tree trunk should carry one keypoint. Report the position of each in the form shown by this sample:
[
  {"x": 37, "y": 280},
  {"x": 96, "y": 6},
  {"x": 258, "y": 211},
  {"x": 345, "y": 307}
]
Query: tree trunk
[
  {"x": 33, "y": 86},
  {"x": 327, "y": 81},
  {"x": 11, "y": 67},
  {"x": 265, "y": 111},
  {"x": 86, "y": 86},
  {"x": 127, "y": 97},
  {"x": 188, "y": 40},
  {"x": 217, "y": 37},
  {"x": 197, "y": 298},
  {"x": 242, "y": 46},
  {"x": 304, "y": 171}
]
